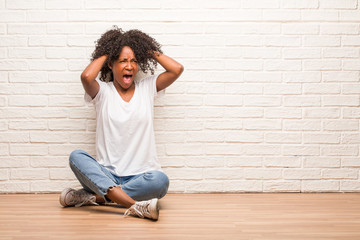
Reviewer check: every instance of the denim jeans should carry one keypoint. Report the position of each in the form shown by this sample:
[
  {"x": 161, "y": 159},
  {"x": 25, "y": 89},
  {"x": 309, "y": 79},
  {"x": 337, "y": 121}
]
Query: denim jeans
[{"x": 95, "y": 178}]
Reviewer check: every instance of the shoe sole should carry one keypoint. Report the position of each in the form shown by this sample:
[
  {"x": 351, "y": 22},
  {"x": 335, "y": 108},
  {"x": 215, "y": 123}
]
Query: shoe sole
[
  {"x": 63, "y": 195},
  {"x": 154, "y": 205}
]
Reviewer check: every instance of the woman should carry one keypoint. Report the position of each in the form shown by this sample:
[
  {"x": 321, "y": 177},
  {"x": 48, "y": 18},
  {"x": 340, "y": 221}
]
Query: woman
[{"x": 126, "y": 171}]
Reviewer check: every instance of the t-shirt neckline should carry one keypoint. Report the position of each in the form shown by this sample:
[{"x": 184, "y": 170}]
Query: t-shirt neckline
[{"x": 121, "y": 99}]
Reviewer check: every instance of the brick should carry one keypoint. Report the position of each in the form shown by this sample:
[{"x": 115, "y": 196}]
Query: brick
[
  {"x": 300, "y": 4},
  {"x": 301, "y": 125},
  {"x": 47, "y": 41},
  {"x": 204, "y": 186},
  {"x": 283, "y": 138},
  {"x": 262, "y": 77},
  {"x": 61, "y": 174},
  {"x": 350, "y": 138},
  {"x": 248, "y": 161},
  {"x": 4, "y": 149},
  {"x": 12, "y": 16},
  {"x": 262, "y": 3},
  {"x": 62, "y": 4},
  {"x": 31, "y": 53},
  {"x": 26, "y": 28},
  {"x": 282, "y": 65},
  {"x": 262, "y": 124},
  {"x": 28, "y": 101},
  {"x": 185, "y": 173},
  {"x": 302, "y": 101},
  {"x": 25, "y": 5},
  {"x": 321, "y": 138},
  {"x": 67, "y": 124},
  {"x": 28, "y": 125},
  {"x": 67, "y": 53},
  {"x": 223, "y": 100},
  {"x": 282, "y": 186},
  {"x": 320, "y": 186},
  {"x": 301, "y": 53},
  {"x": 13, "y": 41},
  {"x": 318, "y": 15},
  {"x": 28, "y": 77},
  {"x": 340, "y": 174},
  {"x": 341, "y": 125},
  {"x": 183, "y": 149},
  {"x": 263, "y": 174},
  {"x": 300, "y": 28},
  {"x": 323, "y": 112},
  {"x": 340, "y": 53},
  {"x": 351, "y": 88},
  {"x": 204, "y": 162},
  {"x": 343, "y": 76},
  {"x": 282, "y": 89},
  {"x": 244, "y": 137},
  {"x": 243, "y": 186},
  {"x": 223, "y": 173},
  {"x": 301, "y": 150},
  {"x": 303, "y": 174},
  {"x": 282, "y": 162},
  {"x": 339, "y": 150},
  {"x": 350, "y": 186},
  {"x": 280, "y": 112},
  {"x": 316, "y": 65},
  {"x": 203, "y": 112},
  {"x": 321, "y": 88},
  {"x": 13, "y": 65},
  {"x": 351, "y": 101},
  {"x": 261, "y": 53},
  {"x": 46, "y": 16},
  {"x": 46, "y": 186},
  {"x": 350, "y": 162},
  {"x": 223, "y": 149},
  {"x": 262, "y": 149},
  {"x": 48, "y": 162},
  {"x": 66, "y": 101},
  {"x": 29, "y": 149},
  {"x": 262, "y": 101},
  {"x": 338, "y": 4},
  {"x": 49, "y": 137},
  {"x": 350, "y": 41},
  {"x": 351, "y": 65},
  {"x": 281, "y": 15},
  {"x": 47, "y": 65},
  {"x": 29, "y": 174},
  {"x": 300, "y": 77},
  {"x": 204, "y": 136},
  {"x": 337, "y": 29},
  {"x": 322, "y": 41},
  {"x": 322, "y": 162},
  {"x": 219, "y": 124},
  {"x": 239, "y": 112},
  {"x": 15, "y": 187}
]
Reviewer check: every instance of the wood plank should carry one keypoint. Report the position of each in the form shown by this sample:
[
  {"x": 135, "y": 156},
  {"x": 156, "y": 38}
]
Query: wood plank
[{"x": 188, "y": 216}]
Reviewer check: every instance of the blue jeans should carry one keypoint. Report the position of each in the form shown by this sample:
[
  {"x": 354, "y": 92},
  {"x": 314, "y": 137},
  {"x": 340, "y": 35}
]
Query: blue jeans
[{"x": 95, "y": 178}]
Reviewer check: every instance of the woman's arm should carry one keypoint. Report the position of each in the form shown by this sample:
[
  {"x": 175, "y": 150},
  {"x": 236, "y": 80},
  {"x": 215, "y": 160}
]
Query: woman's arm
[
  {"x": 89, "y": 74},
  {"x": 173, "y": 70}
]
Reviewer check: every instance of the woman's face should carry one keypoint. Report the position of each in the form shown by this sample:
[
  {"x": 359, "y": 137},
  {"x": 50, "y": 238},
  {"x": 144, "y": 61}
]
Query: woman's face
[{"x": 125, "y": 68}]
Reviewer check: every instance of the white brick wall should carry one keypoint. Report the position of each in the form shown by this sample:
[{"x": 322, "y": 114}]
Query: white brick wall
[{"x": 269, "y": 101}]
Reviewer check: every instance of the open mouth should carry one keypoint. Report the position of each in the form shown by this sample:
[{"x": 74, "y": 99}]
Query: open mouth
[{"x": 127, "y": 78}]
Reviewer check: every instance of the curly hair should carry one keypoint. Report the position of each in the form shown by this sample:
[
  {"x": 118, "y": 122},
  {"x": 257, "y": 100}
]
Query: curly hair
[{"x": 112, "y": 42}]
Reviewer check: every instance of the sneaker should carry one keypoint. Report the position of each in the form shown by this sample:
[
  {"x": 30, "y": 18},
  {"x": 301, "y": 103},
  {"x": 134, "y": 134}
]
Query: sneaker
[
  {"x": 70, "y": 197},
  {"x": 148, "y": 209}
]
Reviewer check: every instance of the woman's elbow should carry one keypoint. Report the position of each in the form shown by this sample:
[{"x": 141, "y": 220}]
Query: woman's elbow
[{"x": 179, "y": 69}]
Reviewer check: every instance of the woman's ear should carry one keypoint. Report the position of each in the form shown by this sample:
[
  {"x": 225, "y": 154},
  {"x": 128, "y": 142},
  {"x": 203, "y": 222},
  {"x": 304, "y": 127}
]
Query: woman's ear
[{"x": 109, "y": 65}]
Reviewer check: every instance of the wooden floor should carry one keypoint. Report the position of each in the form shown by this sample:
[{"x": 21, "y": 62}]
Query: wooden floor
[{"x": 188, "y": 216}]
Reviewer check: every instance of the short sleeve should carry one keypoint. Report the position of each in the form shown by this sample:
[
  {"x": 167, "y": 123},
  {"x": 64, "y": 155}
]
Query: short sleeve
[
  {"x": 151, "y": 82},
  {"x": 99, "y": 95}
]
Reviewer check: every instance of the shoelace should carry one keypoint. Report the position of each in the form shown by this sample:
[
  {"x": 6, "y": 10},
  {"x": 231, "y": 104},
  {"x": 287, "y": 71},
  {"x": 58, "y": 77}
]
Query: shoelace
[
  {"x": 82, "y": 197},
  {"x": 138, "y": 209}
]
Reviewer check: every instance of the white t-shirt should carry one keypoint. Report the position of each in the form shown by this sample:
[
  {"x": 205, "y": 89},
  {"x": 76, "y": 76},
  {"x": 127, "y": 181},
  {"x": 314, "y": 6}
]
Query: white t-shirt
[{"x": 125, "y": 141}]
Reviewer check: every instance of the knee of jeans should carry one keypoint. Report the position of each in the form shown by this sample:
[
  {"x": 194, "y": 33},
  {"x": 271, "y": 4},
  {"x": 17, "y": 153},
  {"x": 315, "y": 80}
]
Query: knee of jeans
[
  {"x": 75, "y": 156},
  {"x": 161, "y": 181}
]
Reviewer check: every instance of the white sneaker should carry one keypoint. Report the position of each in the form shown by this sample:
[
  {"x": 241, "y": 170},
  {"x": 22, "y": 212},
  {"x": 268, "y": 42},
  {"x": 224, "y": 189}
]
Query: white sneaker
[
  {"x": 71, "y": 197},
  {"x": 148, "y": 209}
]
